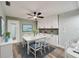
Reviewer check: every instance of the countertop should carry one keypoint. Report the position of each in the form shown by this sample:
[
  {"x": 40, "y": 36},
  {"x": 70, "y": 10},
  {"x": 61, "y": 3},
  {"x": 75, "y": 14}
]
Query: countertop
[{"x": 10, "y": 41}]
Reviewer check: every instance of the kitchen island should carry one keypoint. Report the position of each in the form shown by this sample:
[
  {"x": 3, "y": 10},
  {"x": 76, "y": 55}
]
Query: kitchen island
[{"x": 6, "y": 48}]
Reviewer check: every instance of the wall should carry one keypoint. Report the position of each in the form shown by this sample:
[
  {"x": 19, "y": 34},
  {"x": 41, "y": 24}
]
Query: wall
[
  {"x": 26, "y": 22},
  {"x": 68, "y": 28},
  {"x": 48, "y": 22},
  {"x": 2, "y": 14},
  {"x": 22, "y": 21},
  {"x": 2, "y": 11}
]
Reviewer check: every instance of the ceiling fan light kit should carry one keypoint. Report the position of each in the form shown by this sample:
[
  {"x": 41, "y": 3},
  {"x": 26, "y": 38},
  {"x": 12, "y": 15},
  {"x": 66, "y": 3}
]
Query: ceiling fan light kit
[{"x": 36, "y": 15}]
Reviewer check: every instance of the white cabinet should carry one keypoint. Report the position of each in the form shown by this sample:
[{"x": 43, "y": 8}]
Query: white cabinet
[
  {"x": 51, "y": 22},
  {"x": 6, "y": 51},
  {"x": 53, "y": 40}
]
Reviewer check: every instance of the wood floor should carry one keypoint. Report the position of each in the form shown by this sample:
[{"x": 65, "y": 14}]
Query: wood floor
[{"x": 56, "y": 53}]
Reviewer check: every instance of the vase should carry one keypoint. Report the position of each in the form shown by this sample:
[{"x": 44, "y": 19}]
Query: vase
[
  {"x": 34, "y": 34},
  {"x": 6, "y": 38}
]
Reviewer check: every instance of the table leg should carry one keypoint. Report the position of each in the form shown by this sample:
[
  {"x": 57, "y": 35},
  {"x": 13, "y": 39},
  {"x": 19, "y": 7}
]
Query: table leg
[{"x": 28, "y": 48}]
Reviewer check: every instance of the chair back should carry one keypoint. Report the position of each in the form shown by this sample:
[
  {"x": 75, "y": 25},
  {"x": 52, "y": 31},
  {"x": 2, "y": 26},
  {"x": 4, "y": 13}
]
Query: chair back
[{"x": 38, "y": 43}]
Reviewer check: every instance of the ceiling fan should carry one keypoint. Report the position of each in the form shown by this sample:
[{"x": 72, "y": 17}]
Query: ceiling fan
[{"x": 35, "y": 15}]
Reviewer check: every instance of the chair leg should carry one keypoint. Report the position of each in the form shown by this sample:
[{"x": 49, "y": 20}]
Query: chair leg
[
  {"x": 48, "y": 48},
  {"x": 23, "y": 45},
  {"x": 35, "y": 54},
  {"x": 41, "y": 52},
  {"x": 44, "y": 50}
]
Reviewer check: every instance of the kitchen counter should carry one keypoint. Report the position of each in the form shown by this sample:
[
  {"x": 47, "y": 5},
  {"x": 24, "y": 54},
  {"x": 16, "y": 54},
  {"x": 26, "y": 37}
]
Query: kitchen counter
[
  {"x": 6, "y": 50},
  {"x": 10, "y": 41}
]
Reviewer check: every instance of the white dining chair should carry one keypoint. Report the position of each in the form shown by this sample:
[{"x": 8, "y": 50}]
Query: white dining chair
[
  {"x": 23, "y": 43},
  {"x": 36, "y": 46},
  {"x": 45, "y": 44}
]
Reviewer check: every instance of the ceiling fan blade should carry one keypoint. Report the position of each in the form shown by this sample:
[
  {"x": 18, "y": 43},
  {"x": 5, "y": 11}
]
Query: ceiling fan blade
[
  {"x": 34, "y": 12},
  {"x": 39, "y": 13},
  {"x": 30, "y": 18},
  {"x": 40, "y": 16},
  {"x": 30, "y": 14}
]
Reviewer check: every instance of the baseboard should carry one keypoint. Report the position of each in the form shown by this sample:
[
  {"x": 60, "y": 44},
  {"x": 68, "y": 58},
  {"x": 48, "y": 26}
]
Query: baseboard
[
  {"x": 57, "y": 46},
  {"x": 61, "y": 46}
]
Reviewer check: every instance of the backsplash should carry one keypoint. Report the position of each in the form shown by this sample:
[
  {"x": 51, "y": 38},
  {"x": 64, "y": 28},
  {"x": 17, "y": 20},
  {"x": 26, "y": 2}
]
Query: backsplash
[{"x": 49, "y": 30}]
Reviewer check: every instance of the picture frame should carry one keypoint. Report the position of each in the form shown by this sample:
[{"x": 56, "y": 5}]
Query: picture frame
[{"x": 26, "y": 27}]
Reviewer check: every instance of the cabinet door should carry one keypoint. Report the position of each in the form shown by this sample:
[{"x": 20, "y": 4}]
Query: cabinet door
[
  {"x": 51, "y": 22},
  {"x": 6, "y": 51},
  {"x": 54, "y": 40}
]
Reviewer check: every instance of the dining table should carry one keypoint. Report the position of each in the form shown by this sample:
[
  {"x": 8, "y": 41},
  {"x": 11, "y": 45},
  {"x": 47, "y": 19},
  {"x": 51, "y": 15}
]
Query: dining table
[{"x": 30, "y": 38}]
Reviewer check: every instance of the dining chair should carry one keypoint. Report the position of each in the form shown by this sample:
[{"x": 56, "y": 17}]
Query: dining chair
[
  {"x": 23, "y": 43},
  {"x": 45, "y": 44},
  {"x": 35, "y": 46}
]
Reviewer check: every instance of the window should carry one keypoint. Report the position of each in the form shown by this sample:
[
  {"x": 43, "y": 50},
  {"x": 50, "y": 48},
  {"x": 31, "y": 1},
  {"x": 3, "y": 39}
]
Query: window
[
  {"x": 13, "y": 30},
  {"x": 1, "y": 26}
]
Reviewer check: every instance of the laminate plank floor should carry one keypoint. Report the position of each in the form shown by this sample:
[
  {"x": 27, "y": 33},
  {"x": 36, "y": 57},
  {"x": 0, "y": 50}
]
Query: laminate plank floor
[{"x": 55, "y": 52}]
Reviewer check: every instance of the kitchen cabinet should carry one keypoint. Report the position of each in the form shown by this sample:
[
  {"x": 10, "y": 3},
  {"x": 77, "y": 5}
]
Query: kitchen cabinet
[
  {"x": 51, "y": 22},
  {"x": 6, "y": 51},
  {"x": 53, "y": 40}
]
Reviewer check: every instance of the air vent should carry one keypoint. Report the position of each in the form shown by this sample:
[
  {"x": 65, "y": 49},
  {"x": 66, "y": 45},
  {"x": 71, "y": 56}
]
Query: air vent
[{"x": 7, "y": 3}]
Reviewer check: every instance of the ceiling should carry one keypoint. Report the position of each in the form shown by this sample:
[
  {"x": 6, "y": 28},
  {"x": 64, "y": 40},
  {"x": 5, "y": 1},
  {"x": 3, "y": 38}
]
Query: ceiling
[{"x": 48, "y": 8}]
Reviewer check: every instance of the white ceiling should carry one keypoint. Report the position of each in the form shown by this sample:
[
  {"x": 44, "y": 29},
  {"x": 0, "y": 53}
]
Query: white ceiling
[{"x": 48, "y": 8}]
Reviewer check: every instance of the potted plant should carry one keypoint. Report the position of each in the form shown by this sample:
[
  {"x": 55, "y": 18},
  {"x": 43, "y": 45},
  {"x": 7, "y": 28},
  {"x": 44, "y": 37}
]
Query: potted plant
[
  {"x": 7, "y": 36},
  {"x": 35, "y": 32}
]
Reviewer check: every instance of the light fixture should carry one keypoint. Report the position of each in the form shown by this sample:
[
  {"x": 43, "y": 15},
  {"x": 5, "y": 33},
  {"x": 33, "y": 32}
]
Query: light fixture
[{"x": 35, "y": 17}]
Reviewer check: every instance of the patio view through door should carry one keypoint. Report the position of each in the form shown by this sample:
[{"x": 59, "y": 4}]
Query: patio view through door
[{"x": 13, "y": 28}]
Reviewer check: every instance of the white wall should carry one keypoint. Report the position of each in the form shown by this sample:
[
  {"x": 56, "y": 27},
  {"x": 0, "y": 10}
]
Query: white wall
[
  {"x": 68, "y": 28},
  {"x": 22, "y": 21},
  {"x": 48, "y": 22},
  {"x": 26, "y": 22},
  {"x": 2, "y": 10},
  {"x": 2, "y": 14}
]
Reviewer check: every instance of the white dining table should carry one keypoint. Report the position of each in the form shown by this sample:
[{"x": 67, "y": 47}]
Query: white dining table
[{"x": 29, "y": 38}]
